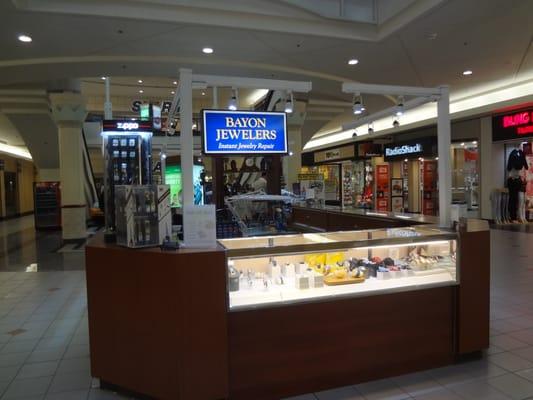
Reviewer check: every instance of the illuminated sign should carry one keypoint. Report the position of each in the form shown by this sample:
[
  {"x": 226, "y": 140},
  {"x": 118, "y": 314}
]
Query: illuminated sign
[
  {"x": 512, "y": 126},
  {"x": 423, "y": 147},
  {"x": 136, "y": 106},
  {"x": 244, "y": 132},
  {"x": 403, "y": 150},
  {"x": 113, "y": 125}
]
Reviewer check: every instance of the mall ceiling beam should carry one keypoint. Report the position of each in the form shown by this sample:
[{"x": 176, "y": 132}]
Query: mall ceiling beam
[
  {"x": 392, "y": 90},
  {"x": 253, "y": 83}
]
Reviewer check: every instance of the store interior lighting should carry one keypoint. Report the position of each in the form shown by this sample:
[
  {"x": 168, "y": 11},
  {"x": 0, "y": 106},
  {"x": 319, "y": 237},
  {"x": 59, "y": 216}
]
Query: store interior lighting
[
  {"x": 289, "y": 104},
  {"x": 466, "y": 102},
  {"x": 232, "y": 105},
  {"x": 358, "y": 107},
  {"x": 15, "y": 151},
  {"x": 400, "y": 107}
]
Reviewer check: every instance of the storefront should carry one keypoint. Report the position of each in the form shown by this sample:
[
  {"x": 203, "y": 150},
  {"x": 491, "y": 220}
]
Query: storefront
[
  {"x": 514, "y": 131},
  {"x": 409, "y": 177},
  {"x": 348, "y": 173}
]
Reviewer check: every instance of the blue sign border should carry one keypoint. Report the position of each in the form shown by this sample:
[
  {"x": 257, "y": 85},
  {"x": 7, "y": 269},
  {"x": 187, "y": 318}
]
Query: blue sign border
[{"x": 229, "y": 153}]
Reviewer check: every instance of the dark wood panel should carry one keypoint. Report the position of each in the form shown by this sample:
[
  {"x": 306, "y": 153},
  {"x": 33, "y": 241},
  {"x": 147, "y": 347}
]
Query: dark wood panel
[
  {"x": 473, "y": 300},
  {"x": 309, "y": 217},
  {"x": 284, "y": 351},
  {"x": 156, "y": 327}
]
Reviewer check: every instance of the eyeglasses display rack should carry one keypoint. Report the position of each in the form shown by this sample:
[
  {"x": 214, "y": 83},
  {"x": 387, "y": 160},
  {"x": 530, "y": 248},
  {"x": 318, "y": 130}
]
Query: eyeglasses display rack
[{"x": 127, "y": 150}]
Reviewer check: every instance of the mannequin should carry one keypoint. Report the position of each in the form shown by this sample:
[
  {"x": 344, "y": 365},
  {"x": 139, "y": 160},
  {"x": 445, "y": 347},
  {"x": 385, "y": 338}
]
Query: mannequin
[{"x": 515, "y": 164}]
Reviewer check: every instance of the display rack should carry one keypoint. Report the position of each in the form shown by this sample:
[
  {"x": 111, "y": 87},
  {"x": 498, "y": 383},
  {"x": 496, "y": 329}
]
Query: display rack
[{"x": 47, "y": 208}]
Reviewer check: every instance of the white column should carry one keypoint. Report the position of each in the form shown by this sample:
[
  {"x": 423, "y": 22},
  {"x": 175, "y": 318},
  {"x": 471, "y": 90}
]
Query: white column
[
  {"x": 444, "y": 143},
  {"x": 486, "y": 164},
  {"x": 69, "y": 112},
  {"x": 186, "y": 139}
]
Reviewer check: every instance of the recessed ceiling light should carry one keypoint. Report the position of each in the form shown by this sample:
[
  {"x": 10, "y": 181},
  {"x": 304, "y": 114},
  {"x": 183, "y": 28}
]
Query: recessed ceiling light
[
  {"x": 140, "y": 81},
  {"x": 141, "y": 91},
  {"x": 203, "y": 93},
  {"x": 474, "y": 142},
  {"x": 25, "y": 38},
  {"x": 462, "y": 144},
  {"x": 172, "y": 92},
  {"x": 353, "y": 61},
  {"x": 175, "y": 82},
  {"x": 103, "y": 78},
  {"x": 467, "y": 72},
  {"x": 207, "y": 50}
]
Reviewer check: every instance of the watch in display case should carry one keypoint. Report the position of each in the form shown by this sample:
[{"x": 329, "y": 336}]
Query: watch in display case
[{"x": 307, "y": 267}]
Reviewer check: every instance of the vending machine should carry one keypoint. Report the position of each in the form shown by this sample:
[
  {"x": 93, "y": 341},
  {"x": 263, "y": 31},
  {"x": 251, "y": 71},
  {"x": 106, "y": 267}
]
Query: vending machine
[{"x": 127, "y": 150}]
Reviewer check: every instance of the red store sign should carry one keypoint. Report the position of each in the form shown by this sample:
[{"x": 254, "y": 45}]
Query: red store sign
[{"x": 512, "y": 126}]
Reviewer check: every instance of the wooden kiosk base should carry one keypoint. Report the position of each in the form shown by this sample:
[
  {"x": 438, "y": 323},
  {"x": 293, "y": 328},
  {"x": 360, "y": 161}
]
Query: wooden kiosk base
[{"x": 159, "y": 325}]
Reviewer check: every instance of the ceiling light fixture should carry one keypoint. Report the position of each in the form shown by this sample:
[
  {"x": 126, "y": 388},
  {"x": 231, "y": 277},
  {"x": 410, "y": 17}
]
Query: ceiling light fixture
[
  {"x": 140, "y": 81},
  {"x": 405, "y": 160},
  {"x": 353, "y": 61},
  {"x": 207, "y": 50},
  {"x": 172, "y": 92},
  {"x": 399, "y": 106},
  {"x": 232, "y": 105},
  {"x": 141, "y": 91},
  {"x": 358, "y": 106},
  {"x": 291, "y": 153},
  {"x": 175, "y": 82},
  {"x": 289, "y": 103},
  {"x": 25, "y": 38},
  {"x": 203, "y": 93},
  {"x": 462, "y": 144},
  {"x": 354, "y": 135},
  {"x": 436, "y": 158},
  {"x": 467, "y": 72},
  {"x": 103, "y": 78},
  {"x": 395, "y": 123},
  {"x": 371, "y": 127},
  {"x": 474, "y": 142}
]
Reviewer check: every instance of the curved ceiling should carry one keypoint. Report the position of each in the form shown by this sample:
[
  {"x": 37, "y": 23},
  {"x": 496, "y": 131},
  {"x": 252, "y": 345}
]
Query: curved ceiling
[{"x": 426, "y": 43}]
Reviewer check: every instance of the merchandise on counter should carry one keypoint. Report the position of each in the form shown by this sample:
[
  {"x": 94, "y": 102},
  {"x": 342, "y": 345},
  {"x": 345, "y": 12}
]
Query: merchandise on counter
[
  {"x": 233, "y": 277},
  {"x": 288, "y": 270},
  {"x": 301, "y": 281}
]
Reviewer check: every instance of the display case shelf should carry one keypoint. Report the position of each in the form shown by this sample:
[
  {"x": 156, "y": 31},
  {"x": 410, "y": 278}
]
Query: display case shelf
[{"x": 283, "y": 270}]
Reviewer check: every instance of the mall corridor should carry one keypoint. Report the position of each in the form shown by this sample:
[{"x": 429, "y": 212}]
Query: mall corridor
[{"x": 44, "y": 342}]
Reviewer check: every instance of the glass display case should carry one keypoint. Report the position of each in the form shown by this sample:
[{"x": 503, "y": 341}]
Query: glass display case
[{"x": 276, "y": 270}]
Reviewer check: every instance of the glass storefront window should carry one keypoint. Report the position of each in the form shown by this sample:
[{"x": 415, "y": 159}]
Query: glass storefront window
[{"x": 465, "y": 174}]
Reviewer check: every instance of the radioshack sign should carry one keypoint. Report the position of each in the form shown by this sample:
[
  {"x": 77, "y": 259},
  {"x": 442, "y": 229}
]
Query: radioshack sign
[
  {"x": 404, "y": 150},
  {"x": 424, "y": 147},
  {"x": 513, "y": 125}
]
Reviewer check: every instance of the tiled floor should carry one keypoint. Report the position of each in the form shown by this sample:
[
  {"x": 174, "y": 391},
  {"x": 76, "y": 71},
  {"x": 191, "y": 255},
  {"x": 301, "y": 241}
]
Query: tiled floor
[{"x": 44, "y": 352}]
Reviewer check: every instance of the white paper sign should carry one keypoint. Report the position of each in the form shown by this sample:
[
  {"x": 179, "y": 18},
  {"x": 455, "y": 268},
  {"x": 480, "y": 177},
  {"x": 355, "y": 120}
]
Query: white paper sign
[{"x": 199, "y": 226}]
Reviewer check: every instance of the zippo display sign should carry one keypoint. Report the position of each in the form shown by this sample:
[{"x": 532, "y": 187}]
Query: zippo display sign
[
  {"x": 244, "y": 132},
  {"x": 514, "y": 125},
  {"x": 126, "y": 126}
]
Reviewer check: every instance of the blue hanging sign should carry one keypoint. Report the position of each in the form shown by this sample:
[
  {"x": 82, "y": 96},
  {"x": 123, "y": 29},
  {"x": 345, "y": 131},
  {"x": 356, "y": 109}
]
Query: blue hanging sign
[{"x": 244, "y": 132}]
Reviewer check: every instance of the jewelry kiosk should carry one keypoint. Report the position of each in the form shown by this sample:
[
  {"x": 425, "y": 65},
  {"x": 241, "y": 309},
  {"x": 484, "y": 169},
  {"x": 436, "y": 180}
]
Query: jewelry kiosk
[{"x": 308, "y": 312}]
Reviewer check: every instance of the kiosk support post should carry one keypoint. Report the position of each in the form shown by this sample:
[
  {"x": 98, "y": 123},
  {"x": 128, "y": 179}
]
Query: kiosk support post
[
  {"x": 444, "y": 164},
  {"x": 186, "y": 140}
]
